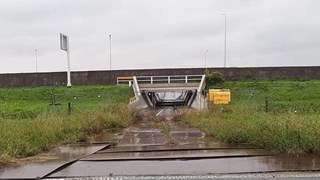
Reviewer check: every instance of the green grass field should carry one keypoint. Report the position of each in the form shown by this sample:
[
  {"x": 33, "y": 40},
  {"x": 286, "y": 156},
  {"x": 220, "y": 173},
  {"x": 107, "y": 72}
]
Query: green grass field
[
  {"x": 30, "y": 124},
  {"x": 290, "y": 126},
  {"x": 283, "y": 96},
  {"x": 28, "y": 102}
]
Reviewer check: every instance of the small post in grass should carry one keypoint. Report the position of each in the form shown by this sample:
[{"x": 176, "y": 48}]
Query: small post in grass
[
  {"x": 53, "y": 99},
  {"x": 266, "y": 105},
  {"x": 69, "y": 108}
]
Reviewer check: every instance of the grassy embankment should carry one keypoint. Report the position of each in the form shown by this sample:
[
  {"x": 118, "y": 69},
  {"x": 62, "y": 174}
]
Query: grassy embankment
[
  {"x": 291, "y": 125},
  {"x": 30, "y": 125}
]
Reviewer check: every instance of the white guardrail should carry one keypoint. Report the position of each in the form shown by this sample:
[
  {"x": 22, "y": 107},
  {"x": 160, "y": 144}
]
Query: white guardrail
[
  {"x": 169, "y": 79},
  {"x": 125, "y": 80}
]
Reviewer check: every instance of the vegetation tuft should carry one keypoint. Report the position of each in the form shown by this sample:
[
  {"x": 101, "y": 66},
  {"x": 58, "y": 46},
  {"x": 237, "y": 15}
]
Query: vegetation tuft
[
  {"x": 213, "y": 79},
  {"x": 165, "y": 130}
]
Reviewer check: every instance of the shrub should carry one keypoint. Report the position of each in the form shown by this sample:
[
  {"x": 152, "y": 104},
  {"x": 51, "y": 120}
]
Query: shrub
[{"x": 213, "y": 78}]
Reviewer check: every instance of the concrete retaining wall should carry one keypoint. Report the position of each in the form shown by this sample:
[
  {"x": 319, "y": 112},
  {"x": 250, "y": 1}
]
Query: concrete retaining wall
[{"x": 109, "y": 77}]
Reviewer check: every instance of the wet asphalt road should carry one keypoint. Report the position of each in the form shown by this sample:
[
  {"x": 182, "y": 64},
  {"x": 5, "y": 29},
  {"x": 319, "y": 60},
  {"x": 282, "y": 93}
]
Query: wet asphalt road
[{"x": 144, "y": 152}]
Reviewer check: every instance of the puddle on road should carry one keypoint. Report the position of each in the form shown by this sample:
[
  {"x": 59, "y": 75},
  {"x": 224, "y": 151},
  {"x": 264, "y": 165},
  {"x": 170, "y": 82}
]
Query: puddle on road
[
  {"x": 147, "y": 131},
  {"x": 108, "y": 136},
  {"x": 194, "y": 167},
  {"x": 42, "y": 164},
  {"x": 176, "y": 154},
  {"x": 57, "y": 157}
]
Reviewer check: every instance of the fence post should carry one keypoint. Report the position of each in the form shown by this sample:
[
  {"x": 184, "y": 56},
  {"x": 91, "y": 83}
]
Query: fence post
[
  {"x": 199, "y": 98},
  {"x": 266, "y": 106},
  {"x": 69, "y": 108},
  {"x": 52, "y": 100}
]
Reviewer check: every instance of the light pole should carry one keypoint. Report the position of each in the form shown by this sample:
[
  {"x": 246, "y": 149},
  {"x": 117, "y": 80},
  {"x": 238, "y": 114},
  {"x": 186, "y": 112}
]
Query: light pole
[
  {"x": 36, "y": 53},
  {"x": 225, "y": 39},
  {"x": 205, "y": 59},
  {"x": 110, "y": 51}
]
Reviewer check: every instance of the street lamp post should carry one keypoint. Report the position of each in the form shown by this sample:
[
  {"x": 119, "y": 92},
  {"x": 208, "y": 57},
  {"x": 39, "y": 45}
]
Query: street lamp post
[
  {"x": 205, "y": 59},
  {"x": 225, "y": 39},
  {"x": 110, "y": 51},
  {"x": 36, "y": 53}
]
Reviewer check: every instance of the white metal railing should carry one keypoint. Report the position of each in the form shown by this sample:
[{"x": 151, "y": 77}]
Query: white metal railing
[
  {"x": 135, "y": 87},
  {"x": 202, "y": 83},
  {"x": 169, "y": 79},
  {"x": 125, "y": 80}
]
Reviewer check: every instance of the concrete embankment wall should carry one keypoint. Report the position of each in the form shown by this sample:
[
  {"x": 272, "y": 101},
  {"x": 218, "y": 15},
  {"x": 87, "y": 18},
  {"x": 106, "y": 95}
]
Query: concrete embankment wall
[{"x": 109, "y": 77}]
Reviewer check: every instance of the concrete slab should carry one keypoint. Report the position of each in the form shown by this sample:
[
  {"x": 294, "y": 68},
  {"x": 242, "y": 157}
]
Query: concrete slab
[
  {"x": 179, "y": 155},
  {"x": 194, "y": 167},
  {"x": 50, "y": 161}
]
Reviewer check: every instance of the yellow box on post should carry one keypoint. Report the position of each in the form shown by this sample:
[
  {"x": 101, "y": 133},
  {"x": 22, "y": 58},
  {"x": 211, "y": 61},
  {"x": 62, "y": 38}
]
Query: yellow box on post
[{"x": 219, "y": 96}]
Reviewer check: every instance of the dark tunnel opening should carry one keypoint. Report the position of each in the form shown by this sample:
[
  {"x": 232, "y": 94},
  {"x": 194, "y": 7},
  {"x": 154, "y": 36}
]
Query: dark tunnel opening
[{"x": 169, "y": 98}]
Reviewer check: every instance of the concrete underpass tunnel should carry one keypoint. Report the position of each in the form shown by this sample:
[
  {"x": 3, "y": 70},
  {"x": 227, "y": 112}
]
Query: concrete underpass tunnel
[
  {"x": 168, "y": 91},
  {"x": 170, "y": 98}
]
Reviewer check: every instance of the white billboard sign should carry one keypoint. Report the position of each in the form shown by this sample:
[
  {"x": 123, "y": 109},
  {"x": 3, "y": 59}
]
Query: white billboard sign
[{"x": 64, "y": 42}]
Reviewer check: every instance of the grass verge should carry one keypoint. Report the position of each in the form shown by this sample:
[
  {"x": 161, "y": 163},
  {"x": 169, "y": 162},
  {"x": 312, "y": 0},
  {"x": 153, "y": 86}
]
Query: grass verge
[
  {"x": 23, "y": 136},
  {"x": 29, "y": 137},
  {"x": 287, "y": 133},
  {"x": 291, "y": 125}
]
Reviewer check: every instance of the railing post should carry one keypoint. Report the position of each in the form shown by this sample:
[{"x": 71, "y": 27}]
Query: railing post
[
  {"x": 186, "y": 79},
  {"x": 151, "y": 80},
  {"x": 168, "y": 79}
]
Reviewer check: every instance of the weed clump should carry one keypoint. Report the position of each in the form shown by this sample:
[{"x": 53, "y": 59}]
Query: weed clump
[{"x": 165, "y": 130}]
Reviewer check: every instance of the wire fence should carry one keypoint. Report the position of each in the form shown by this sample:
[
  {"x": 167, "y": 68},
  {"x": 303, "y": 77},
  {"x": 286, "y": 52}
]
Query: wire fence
[{"x": 271, "y": 101}]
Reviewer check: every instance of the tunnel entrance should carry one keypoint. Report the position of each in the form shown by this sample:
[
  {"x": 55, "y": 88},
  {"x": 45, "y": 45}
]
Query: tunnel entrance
[{"x": 169, "y": 98}]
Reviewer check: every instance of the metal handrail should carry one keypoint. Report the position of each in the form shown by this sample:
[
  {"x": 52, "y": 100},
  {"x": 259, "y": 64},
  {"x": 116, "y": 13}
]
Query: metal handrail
[
  {"x": 169, "y": 79},
  {"x": 171, "y": 76}
]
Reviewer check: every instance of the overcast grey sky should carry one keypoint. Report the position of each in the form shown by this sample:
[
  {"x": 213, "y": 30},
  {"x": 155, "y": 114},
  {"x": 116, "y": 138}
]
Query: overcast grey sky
[{"x": 158, "y": 33}]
